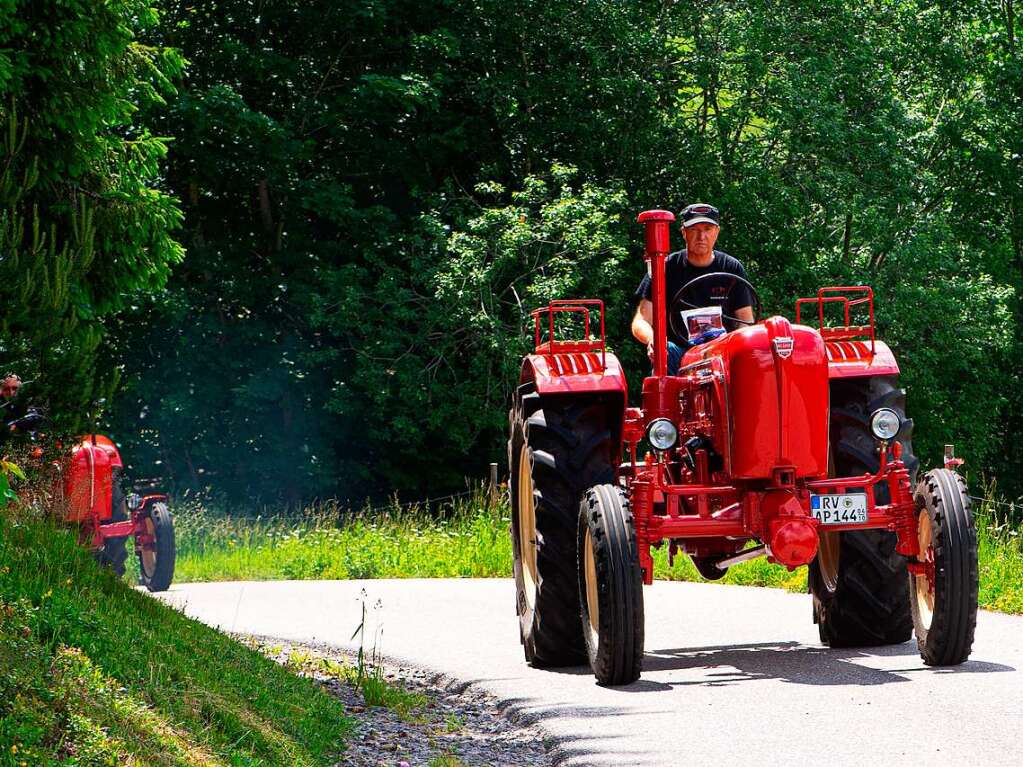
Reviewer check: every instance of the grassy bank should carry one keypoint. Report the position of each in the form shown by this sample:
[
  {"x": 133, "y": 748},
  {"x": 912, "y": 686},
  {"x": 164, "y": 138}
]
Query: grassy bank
[
  {"x": 468, "y": 538},
  {"x": 93, "y": 673}
]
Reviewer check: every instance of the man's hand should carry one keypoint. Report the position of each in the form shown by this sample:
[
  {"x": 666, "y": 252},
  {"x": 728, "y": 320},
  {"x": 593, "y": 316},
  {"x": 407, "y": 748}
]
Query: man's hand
[{"x": 650, "y": 350}]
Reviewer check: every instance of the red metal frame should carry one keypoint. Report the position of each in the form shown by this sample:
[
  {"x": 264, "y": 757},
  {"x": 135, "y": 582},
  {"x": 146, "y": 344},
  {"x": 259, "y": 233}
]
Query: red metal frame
[
  {"x": 847, "y": 331},
  {"x": 552, "y": 346}
]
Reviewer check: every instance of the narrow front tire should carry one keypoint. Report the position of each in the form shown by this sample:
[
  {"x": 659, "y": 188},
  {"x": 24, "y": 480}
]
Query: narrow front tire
[
  {"x": 156, "y": 559},
  {"x": 610, "y": 586},
  {"x": 944, "y": 595}
]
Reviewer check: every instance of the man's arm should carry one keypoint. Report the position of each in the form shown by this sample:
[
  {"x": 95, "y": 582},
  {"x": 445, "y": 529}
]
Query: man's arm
[
  {"x": 745, "y": 314},
  {"x": 643, "y": 322}
]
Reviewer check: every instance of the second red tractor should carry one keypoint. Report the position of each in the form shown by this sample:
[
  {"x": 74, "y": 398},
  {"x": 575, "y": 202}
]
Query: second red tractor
[{"x": 779, "y": 439}]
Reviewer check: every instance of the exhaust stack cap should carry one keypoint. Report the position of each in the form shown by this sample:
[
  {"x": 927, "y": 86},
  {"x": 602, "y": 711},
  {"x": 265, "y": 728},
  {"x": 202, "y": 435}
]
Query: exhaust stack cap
[{"x": 658, "y": 230}]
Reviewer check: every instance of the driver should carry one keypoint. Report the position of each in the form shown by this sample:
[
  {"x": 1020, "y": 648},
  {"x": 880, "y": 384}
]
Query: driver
[{"x": 700, "y": 225}]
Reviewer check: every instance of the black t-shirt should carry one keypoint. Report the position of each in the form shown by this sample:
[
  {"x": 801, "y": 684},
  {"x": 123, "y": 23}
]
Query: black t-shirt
[{"x": 712, "y": 292}]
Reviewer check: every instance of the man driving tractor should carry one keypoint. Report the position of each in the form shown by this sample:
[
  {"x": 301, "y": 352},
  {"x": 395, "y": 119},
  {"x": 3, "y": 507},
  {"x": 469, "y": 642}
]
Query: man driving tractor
[{"x": 685, "y": 290}]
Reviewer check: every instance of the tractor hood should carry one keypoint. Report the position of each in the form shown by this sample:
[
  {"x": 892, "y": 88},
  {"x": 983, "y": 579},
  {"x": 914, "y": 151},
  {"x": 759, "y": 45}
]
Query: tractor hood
[{"x": 777, "y": 391}]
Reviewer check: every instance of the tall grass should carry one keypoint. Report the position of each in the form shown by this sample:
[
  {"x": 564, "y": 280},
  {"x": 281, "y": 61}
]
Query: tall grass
[
  {"x": 463, "y": 538},
  {"x": 469, "y": 538}
]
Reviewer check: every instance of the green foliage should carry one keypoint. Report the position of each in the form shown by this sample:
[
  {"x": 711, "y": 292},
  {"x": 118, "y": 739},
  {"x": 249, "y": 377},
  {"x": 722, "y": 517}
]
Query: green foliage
[
  {"x": 376, "y": 195},
  {"x": 94, "y": 673},
  {"x": 83, "y": 224}
]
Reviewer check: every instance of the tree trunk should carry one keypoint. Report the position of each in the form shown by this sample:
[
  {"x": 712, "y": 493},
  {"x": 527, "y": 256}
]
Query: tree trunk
[
  {"x": 264, "y": 206},
  {"x": 847, "y": 237},
  {"x": 1010, "y": 23}
]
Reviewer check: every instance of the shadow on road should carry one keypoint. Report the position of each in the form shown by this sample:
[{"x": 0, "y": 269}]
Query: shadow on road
[{"x": 791, "y": 662}]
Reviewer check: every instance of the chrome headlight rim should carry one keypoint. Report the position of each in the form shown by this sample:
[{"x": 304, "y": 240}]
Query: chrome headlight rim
[
  {"x": 658, "y": 431},
  {"x": 885, "y": 424}
]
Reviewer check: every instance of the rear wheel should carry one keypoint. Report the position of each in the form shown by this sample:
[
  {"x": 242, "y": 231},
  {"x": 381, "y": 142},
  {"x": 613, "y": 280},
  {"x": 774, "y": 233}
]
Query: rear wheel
[
  {"x": 945, "y": 596},
  {"x": 611, "y": 586},
  {"x": 558, "y": 448},
  {"x": 114, "y": 552},
  {"x": 156, "y": 559},
  {"x": 858, "y": 580}
]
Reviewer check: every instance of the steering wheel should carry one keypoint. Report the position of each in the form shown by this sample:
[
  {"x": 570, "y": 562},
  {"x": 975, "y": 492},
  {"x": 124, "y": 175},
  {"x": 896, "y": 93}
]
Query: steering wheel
[{"x": 678, "y": 302}]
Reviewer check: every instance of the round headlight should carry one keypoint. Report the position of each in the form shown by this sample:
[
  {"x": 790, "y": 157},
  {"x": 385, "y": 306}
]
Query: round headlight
[
  {"x": 885, "y": 423},
  {"x": 662, "y": 434},
  {"x": 134, "y": 501}
]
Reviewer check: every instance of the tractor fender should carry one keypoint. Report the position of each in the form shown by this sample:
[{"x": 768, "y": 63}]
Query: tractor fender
[
  {"x": 853, "y": 359},
  {"x": 579, "y": 375}
]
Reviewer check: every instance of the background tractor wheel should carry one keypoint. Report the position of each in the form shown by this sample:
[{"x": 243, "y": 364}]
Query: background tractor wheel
[
  {"x": 114, "y": 552},
  {"x": 156, "y": 563},
  {"x": 611, "y": 586},
  {"x": 858, "y": 580},
  {"x": 945, "y": 611},
  {"x": 558, "y": 448}
]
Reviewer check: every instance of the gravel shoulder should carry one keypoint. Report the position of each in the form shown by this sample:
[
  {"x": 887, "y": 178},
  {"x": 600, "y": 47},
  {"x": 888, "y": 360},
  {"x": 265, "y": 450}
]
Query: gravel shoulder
[{"x": 436, "y": 721}]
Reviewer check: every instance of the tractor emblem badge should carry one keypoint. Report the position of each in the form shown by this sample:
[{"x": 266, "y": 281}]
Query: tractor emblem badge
[{"x": 783, "y": 346}]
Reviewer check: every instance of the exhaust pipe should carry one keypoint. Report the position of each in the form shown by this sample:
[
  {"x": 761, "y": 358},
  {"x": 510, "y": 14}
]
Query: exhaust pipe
[{"x": 742, "y": 556}]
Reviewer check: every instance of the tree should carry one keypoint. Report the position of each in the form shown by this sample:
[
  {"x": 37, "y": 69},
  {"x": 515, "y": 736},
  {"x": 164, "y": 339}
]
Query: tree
[
  {"x": 375, "y": 193},
  {"x": 83, "y": 224}
]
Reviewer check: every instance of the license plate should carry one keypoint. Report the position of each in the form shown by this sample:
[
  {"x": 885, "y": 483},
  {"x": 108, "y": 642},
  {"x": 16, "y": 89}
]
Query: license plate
[{"x": 839, "y": 508}]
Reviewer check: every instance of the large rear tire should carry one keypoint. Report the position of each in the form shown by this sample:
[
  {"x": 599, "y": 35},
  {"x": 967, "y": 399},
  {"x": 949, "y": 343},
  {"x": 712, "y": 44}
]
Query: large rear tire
[
  {"x": 558, "y": 448},
  {"x": 945, "y": 601},
  {"x": 156, "y": 561},
  {"x": 858, "y": 580},
  {"x": 114, "y": 552},
  {"x": 611, "y": 586}
]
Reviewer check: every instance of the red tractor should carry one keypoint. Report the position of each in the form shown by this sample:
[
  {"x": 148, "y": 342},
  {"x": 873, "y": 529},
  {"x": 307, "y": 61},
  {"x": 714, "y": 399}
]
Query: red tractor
[
  {"x": 777, "y": 439},
  {"x": 89, "y": 493},
  {"x": 95, "y": 500}
]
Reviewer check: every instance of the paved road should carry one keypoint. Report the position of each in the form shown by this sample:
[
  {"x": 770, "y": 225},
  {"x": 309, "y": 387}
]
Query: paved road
[{"x": 732, "y": 675}]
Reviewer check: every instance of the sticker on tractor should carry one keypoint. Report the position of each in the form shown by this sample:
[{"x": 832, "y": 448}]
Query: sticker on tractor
[{"x": 839, "y": 508}]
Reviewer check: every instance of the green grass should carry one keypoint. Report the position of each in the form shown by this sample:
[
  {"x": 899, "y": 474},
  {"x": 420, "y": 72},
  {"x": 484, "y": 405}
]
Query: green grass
[
  {"x": 469, "y": 538},
  {"x": 466, "y": 539},
  {"x": 94, "y": 673}
]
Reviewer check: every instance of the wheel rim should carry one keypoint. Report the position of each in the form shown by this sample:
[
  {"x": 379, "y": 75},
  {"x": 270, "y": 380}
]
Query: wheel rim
[
  {"x": 827, "y": 559},
  {"x": 148, "y": 555},
  {"x": 590, "y": 577},
  {"x": 527, "y": 526},
  {"x": 924, "y": 592}
]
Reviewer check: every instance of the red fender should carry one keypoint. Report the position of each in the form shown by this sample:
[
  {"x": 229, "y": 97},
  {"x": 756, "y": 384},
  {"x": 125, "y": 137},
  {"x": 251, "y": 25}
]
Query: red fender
[
  {"x": 853, "y": 359},
  {"x": 580, "y": 374}
]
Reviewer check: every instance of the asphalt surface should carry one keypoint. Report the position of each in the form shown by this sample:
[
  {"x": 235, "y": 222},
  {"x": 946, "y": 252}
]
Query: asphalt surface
[{"x": 732, "y": 675}]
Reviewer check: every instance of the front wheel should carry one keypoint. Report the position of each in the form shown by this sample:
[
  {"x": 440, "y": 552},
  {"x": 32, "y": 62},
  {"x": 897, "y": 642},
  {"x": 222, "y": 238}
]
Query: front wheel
[
  {"x": 944, "y": 594},
  {"x": 610, "y": 586},
  {"x": 156, "y": 558}
]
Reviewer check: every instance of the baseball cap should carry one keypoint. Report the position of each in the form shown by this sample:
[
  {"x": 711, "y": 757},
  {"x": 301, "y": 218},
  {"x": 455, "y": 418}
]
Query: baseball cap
[{"x": 700, "y": 213}]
